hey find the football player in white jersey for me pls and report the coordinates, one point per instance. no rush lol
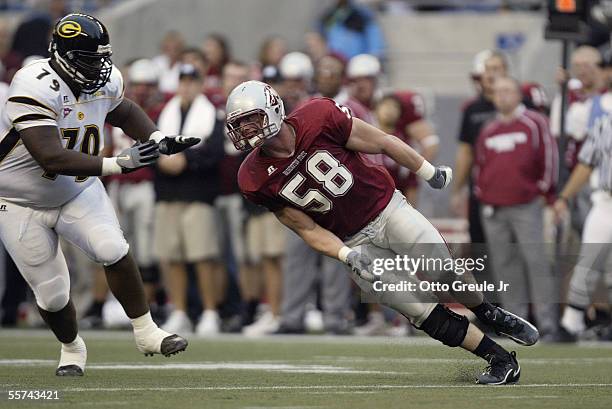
(50, 137)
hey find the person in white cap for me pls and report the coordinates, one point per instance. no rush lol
(362, 72)
(296, 71)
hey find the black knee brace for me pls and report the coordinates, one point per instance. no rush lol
(446, 326)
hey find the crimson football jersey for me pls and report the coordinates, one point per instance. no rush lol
(340, 189)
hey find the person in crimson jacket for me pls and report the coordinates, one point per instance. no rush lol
(516, 168)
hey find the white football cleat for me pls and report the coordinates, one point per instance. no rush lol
(73, 357)
(158, 341)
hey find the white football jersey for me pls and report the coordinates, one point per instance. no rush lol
(38, 96)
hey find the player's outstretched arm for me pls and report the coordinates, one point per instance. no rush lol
(369, 139)
(324, 241)
(44, 145)
(130, 117)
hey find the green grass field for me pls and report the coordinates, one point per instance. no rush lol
(300, 372)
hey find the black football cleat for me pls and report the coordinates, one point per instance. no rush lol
(69, 370)
(512, 326)
(502, 370)
(173, 345)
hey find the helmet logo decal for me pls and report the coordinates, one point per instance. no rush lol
(69, 29)
(271, 98)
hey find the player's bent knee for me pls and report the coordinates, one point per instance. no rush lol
(108, 244)
(446, 326)
(52, 295)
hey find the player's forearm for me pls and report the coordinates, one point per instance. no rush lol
(402, 153)
(579, 177)
(72, 163)
(463, 165)
(322, 240)
(130, 117)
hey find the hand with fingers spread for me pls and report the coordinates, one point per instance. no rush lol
(169, 145)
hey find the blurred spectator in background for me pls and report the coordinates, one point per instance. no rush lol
(217, 52)
(362, 73)
(515, 171)
(272, 51)
(10, 59)
(316, 46)
(229, 204)
(488, 65)
(535, 97)
(330, 78)
(33, 34)
(350, 29)
(475, 114)
(296, 71)
(478, 68)
(587, 82)
(168, 61)
(402, 114)
(3, 86)
(195, 57)
(186, 187)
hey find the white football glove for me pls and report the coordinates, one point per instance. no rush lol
(361, 265)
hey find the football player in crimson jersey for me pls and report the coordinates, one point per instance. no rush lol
(308, 169)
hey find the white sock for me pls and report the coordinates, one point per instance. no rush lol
(74, 353)
(143, 323)
(573, 320)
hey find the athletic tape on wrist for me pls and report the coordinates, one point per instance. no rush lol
(110, 166)
(343, 254)
(426, 171)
